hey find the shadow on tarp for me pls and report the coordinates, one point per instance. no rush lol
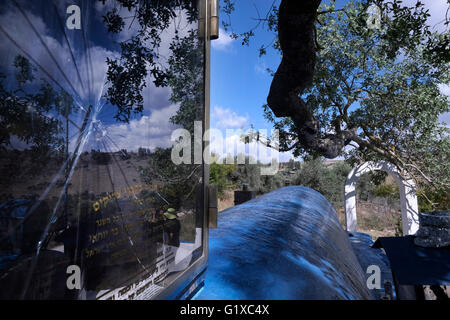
(287, 244)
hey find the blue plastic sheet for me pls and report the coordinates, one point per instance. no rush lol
(287, 244)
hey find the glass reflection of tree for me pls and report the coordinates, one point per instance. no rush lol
(182, 72)
(38, 111)
(25, 116)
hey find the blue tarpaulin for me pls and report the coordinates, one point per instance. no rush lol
(287, 244)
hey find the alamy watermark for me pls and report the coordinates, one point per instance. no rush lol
(374, 280)
(74, 278)
(182, 154)
(74, 20)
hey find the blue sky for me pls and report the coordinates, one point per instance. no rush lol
(239, 82)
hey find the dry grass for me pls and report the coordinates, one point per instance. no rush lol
(376, 223)
(227, 201)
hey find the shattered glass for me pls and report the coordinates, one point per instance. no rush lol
(89, 97)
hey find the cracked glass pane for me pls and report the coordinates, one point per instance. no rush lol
(89, 97)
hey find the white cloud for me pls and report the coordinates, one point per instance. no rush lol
(445, 89)
(227, 119)
(225, 42)
(148, 131)
(224, 118)
(156, 98)
(261, 68)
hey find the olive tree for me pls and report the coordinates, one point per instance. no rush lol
(345, 88)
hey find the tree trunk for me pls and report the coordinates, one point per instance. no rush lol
(296, 34)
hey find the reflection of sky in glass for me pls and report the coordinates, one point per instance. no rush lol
(75, 60)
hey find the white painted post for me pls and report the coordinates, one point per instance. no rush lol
(350, 201)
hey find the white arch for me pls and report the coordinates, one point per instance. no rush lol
(408, 197)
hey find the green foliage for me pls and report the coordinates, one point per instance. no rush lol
(219, 175)
(24, 70)
(328, 181)
(185, 77)
(390, 191)
(431, 200)
(25, 116)
(373, 184)
(247, 173)
(398, 226)
(175, 193)
(271, 183)
(127, 78)
(143, 152)
(232, 176)
(364, 187)
(161, 167)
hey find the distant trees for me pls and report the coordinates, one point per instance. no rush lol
(328, 181)
(220, 175)
(124, 155)
(144, 152)
(99, 157)
(312, 173)
(232, 176)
